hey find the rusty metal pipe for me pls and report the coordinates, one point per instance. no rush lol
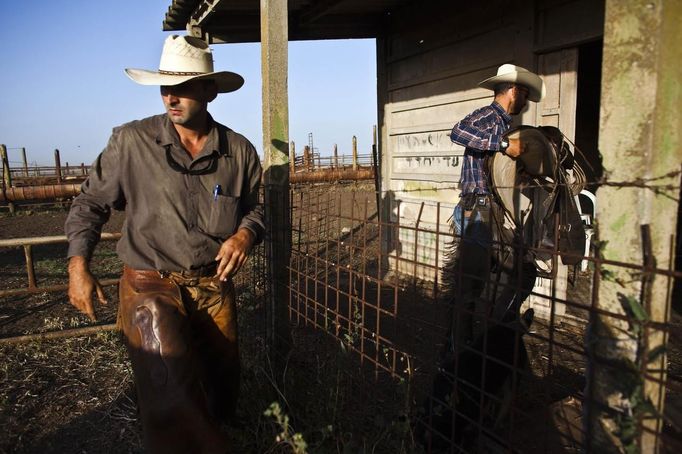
(14, 242)
(43, 192)
(48, 289)
(320, 176)
(85, 331)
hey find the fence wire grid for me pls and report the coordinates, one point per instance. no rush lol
(373, 287)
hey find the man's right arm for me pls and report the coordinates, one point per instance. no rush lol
(89, 212)
(477, 131)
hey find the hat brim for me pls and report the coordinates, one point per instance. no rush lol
(535, 85)
(225, 80)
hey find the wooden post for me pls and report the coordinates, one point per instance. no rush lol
(306, 158)
(355, 153)
(6, 174)
(57, 166)
(30, 268)
(292, 157)
(274, 63)
(24, 160)
(336, 157)
(640, 140)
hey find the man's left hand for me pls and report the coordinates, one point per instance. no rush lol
(515, 148)
(233, 253)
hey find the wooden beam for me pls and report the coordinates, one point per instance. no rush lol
(316, 10)
(641, 143)
(274, 67)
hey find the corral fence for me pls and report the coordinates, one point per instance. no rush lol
(374, 284)
(48, 185)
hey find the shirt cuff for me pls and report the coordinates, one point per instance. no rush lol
(253, 228)
(79, 247)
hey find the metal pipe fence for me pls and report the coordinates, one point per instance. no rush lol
(27, 244)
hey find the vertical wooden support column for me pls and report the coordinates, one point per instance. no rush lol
(274, 64)
(640, 138)
(336, 156)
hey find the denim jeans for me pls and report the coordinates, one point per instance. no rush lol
(472, 229)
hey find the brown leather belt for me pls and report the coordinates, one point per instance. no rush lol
(204, 271)
(469, 201)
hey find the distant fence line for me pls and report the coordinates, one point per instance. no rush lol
(41, 183)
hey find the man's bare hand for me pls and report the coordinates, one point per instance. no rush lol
(82, 284)
(515, 148)
(233, 253)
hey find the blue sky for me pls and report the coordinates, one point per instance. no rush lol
(62, 83)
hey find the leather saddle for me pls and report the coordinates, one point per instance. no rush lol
(536, 193)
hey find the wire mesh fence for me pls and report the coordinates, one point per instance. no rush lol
(390, 291)
(377, 361)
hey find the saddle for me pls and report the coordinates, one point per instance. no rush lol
(536, 201)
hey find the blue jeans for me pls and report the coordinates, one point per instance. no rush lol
(472, 230)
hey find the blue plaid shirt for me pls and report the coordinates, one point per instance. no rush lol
(480, 133)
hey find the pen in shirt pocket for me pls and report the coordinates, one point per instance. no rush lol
(217, 191)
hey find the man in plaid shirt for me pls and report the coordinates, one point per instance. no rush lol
(482, 133)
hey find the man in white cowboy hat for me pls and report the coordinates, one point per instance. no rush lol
(189, 186)
(482, 133)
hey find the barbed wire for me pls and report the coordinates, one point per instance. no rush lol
(530, 182)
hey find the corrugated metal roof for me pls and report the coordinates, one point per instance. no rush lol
(239, 20)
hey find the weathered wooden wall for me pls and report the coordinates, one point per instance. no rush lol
(430, 60)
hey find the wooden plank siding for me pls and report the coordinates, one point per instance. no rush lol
(430, 60)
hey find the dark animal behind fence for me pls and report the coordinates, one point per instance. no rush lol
(456, 408)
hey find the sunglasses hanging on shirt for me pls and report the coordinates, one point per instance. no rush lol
(204, 165)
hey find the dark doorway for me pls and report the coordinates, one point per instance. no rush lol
(587, 112)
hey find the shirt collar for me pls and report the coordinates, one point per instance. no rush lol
(503, 113)
(167, 135)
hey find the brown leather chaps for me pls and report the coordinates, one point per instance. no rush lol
(181, 335)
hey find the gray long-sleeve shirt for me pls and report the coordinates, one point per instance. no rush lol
(174, 220)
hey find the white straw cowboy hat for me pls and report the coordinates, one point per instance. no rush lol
(518, 75)
(186, 58)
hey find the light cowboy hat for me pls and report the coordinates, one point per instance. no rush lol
(518, 75)
(186, 58)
